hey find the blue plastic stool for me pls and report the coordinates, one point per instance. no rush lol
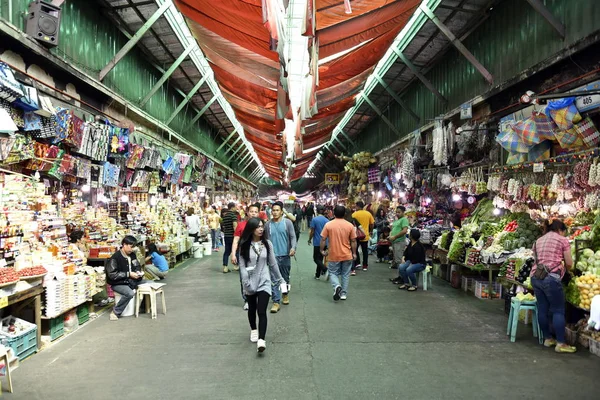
(425, 276)
(516, 307)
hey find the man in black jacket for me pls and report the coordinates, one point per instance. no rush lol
(124, 273)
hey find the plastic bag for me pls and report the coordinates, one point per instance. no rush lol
(563, 112)
(71, 322)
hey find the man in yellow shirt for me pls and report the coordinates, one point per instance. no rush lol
(366, 221)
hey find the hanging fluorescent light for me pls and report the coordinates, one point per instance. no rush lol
(397, 175)
(124, 198)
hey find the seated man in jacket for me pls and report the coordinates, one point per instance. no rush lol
(124, 273)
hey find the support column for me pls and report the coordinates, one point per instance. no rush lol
(458, 44)
(133, 41)
(419, 75)
(234, 143)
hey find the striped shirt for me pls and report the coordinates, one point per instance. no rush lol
(550, 249)
(227, 223)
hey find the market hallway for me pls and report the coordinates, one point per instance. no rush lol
(381, 343)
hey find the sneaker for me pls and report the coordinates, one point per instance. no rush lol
(286, 299)
(336, 293)
(358, 267)
(317, 277)
(412, 288)
(396, 281)
(261, 345)
(344, 296)
(365, 268)
(111, 300)
(217, 249)
(275, 308)
(254, 336)
(236, 268)
(565, 348)
(225, 270)
(246, 306)
(327, 275)
(550, 342)
(353, 273)
(403, 286)
(113, 316)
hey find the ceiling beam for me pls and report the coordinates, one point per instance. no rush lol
(541, 9)
(133, 41)
(143, 3)
(168, 73)
(383, 117)
(337, 139)
(226, 140)
(397, 98)
(186, 100)
(235, 152)
(229, 148)
(419, 75)
(459, 9)
(458, 44)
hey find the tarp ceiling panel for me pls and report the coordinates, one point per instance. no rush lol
(332, 12)
(355, 31)
(260, 95)
(259, 43)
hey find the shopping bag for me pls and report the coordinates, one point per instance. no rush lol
(544, 126)
(569, 139)
(540, 152)
(527, 131)
(516, 158)
(588, 132)
(563, 112)
(511, 142)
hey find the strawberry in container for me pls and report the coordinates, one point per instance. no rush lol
(8, 276)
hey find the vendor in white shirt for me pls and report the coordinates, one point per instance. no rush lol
(193, 224)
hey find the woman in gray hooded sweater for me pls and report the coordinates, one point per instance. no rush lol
(258, 268)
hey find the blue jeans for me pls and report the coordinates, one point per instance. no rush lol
(227, 253)
(551, 306)
(127, 294)
(213, 238)
(339, 269)
(285, 265)
(408, 271)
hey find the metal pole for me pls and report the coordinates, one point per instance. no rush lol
(383, 117)
(397, 98)
(548, 16)
(187, 98)
(231, 147)
(226, 140)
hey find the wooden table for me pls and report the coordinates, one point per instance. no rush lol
(26, 297)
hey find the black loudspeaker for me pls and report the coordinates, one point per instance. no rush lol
(43, 22)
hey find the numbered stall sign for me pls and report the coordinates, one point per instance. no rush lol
(589, 102)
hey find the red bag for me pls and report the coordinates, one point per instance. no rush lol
(588, 132)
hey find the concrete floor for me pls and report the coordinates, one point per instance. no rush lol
(381, 343)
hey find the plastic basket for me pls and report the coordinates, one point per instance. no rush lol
(57, 328)
(83, 314)
(482, 290)
(22, 343)
(584, 341)
(595, 347)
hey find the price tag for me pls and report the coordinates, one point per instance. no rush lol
(538, 167)
(3, 302)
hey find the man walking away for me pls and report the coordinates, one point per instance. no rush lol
(316, 227)
(341, 237)
(366, 221)
(398, 235)
(229, 222)
(310, 212)
(280, 231)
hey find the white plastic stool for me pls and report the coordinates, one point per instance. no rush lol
(147, 290)
(130, 309)
(426, 277)
(10, 361)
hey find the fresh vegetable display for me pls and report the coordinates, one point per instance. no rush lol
(572, 292)
(583, 233)
(445, 241)
(512, 226)
(588, 261)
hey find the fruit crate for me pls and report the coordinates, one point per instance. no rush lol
(83, 314)
(570, 336)
(466, 283)
(23, 344)
(584, 340)
(482, 291)
(595, 347)
(57, 327)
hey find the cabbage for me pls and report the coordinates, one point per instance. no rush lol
(588, 253)
(582, 266)
(596, 264)
(597, 254)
